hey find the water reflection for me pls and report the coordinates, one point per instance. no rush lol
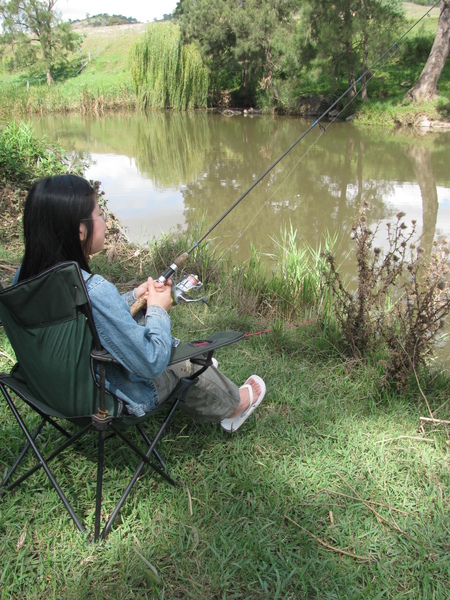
(165, 171)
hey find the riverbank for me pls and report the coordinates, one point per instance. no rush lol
(98, 81)
(333, 488)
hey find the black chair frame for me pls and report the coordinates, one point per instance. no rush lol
(200, 353)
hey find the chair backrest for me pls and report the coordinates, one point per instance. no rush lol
(48, 321)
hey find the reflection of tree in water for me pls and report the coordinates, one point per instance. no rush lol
(321, 193)
(421, 159)
(317, 187)
(170, 147)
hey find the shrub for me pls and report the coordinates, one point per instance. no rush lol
(166, 73)
(24, 157)
(400, 302)
(417, 48)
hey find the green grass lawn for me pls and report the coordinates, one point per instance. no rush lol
(330, 490)
(415, 11)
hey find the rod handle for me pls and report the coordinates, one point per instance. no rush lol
(178, 262)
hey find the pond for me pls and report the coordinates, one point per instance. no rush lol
(166, 171)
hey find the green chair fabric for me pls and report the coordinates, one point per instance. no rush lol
(45, 321)
(48, 320)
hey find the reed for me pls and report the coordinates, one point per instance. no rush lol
(284, 285)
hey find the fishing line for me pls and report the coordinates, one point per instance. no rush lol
(180, 260)
(369, 71)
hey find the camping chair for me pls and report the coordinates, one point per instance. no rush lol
(60, 374)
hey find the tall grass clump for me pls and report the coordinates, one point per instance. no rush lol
(299, 276)
(167, 74)
(401, 299)
(284, 285)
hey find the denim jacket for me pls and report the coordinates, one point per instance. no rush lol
(143, 350)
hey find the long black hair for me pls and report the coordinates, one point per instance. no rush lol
(54, 208)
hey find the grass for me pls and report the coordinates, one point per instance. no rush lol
(103, 84)
(324, 493)
(330, 490)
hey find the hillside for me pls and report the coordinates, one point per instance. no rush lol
(99, 77)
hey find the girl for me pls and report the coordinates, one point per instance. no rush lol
(63, 222)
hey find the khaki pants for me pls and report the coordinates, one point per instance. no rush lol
(213, 398)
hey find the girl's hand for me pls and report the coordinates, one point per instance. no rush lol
(141, 290)
(159, 294)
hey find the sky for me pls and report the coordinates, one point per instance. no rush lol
(142, 10)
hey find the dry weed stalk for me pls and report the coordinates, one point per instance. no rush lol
(401, 300)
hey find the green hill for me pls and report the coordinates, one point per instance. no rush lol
(98, 78)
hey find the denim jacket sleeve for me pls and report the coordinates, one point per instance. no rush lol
(143, 351)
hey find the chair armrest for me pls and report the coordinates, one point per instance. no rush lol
(216, 340)
(103, 356)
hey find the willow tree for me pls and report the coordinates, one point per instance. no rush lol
(166, 73)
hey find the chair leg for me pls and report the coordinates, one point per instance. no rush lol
(48, 458)
(145, 460)
(149, 442)
(98, 497)
(20, 457)
(42, 463)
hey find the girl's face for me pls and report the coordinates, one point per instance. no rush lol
(98, 231)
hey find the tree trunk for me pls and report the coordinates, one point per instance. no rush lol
(426, 86)
(49, 78)
(365, 75)
(269, 79)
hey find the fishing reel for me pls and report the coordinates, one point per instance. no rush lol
(189, 284)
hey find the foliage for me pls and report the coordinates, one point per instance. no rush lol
(343, 39)
(27, 22)
(417, 48)
(24, 157)
(243, 43)
(400, 302)
(104, 20)
(103, 81)
(166, 73)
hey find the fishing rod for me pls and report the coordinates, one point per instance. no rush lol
(192, 282)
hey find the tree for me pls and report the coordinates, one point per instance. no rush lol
(239, 40)
(166, 73)
(345, 37)
(27, 22)
(426, 86)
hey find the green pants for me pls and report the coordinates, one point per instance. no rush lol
(213, 398)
